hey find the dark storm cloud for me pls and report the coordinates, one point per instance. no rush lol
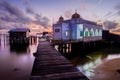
(110, 25)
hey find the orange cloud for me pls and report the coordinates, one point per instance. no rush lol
(35, 28)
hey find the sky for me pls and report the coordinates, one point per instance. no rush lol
(39, 15)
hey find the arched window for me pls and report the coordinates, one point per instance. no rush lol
(91, 32)
(100, 32)
(86, 32)
(96, 32)
(81, 33)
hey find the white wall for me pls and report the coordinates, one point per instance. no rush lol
(74, 31)
(57, 35)
(65, 31)
(80, 32)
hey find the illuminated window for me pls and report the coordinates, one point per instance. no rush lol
(81, 33)
(92, 32)
(86, 33)
(96, 32)
(100, 32)
(66, 33)
(57, 30)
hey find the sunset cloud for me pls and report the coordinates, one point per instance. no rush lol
(39, 19)
(12, 10)
(12, 16)
(116, 30)
(110, 25)
(42, 13)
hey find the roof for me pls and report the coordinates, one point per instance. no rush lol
(19, 30)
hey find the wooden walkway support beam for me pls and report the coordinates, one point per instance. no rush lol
(51, 65)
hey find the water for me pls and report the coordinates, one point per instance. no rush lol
(16, 61)
(99, 65)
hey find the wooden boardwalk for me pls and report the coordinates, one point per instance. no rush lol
(51, 65)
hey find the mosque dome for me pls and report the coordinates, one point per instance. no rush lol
(61, 18)
(76, 15)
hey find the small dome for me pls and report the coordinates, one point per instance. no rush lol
(75, 15)
(61, 18)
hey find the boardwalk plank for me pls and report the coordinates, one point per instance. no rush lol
(51, 65)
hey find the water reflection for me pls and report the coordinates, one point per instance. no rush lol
(18, 48)
(16, 61)
(107, 70)
(100, 66)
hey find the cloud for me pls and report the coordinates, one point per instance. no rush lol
(68, 13)
(12, 16)
(12, 10)
(94, 15)
(11, 13)
(116, 30)
(82, 7)
(100, 1)
(42, 20)
(118, 12)
(110, 25)
(109, 14)
(117, 8)
(39, 19)
(28, 7)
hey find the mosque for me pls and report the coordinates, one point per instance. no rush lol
(77, 29)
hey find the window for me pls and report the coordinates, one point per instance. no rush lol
(57, 30)
(86, 32)
(100, 32)
(66, 33)
(81, 33)
(91, 32)
(96, 32)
